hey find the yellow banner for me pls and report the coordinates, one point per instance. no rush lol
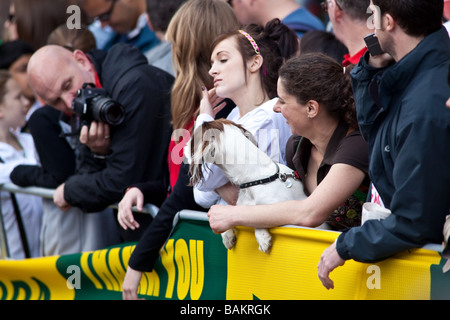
(290, 270)
(194, 265)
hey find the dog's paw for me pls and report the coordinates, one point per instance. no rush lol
(264, 239)
(229, 239)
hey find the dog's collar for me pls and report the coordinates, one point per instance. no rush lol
(261, 181)
(274, 177)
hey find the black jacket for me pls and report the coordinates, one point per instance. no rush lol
(402, 115)
(138, 145)
(56, 154)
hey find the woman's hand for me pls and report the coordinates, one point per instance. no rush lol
(133, 197)
(229, 192)
(131, 284)
(211, 103)
(220, 218)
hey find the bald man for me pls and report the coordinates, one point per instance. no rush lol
(111, 158)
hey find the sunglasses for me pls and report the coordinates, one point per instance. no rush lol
(107, 15)
(324, 5)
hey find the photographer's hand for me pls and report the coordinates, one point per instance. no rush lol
(96, 137)
(58, 198)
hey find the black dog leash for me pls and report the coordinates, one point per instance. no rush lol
(283, 177)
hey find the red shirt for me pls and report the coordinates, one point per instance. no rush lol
(353, 59)
(176, 154)
(98, 84)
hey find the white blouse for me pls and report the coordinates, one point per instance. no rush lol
(30, 206)
(270, 131)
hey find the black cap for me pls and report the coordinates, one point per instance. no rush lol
(11, 51)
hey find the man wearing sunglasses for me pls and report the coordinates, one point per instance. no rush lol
(349, 21)
(120, 21)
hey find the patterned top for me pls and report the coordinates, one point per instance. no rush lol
(345, 146)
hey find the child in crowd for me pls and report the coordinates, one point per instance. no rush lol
(21, 214)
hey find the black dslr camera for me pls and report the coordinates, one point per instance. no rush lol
(94, 104)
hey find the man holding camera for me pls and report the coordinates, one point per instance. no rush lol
(117, 149)
(400, 98)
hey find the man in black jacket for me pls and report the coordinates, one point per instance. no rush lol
(112, 157)
(400, 98)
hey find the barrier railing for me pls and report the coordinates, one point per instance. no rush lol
(195, 265)
(148, 208)
(46, 194)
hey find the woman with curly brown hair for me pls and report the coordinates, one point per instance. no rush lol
(326, 150)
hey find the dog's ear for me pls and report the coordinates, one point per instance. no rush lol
(203, 151)
(194, 152)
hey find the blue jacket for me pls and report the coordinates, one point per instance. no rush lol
(302, 21)
(402, 114)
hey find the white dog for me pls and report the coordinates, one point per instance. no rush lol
(262, 181)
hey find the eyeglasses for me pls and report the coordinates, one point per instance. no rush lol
(107, 15)
(324, 5)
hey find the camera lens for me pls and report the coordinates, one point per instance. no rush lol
(108, 111)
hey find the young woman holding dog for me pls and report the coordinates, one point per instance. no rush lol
(326, 150)
(245, 66)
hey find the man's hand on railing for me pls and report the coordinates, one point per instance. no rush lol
(58, 198)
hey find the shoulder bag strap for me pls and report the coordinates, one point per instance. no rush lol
(23, 235)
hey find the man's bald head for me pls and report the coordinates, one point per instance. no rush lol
(41, 64)
(56, 74)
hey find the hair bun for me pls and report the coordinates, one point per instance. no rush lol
(284, 36)
(274, 28)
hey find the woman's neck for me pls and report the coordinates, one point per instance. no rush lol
(323, 135)
(250, 98)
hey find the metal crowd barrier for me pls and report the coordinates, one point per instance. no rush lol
(148, 208)
(48, 194)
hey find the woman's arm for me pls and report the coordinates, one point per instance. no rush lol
(339, 184)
